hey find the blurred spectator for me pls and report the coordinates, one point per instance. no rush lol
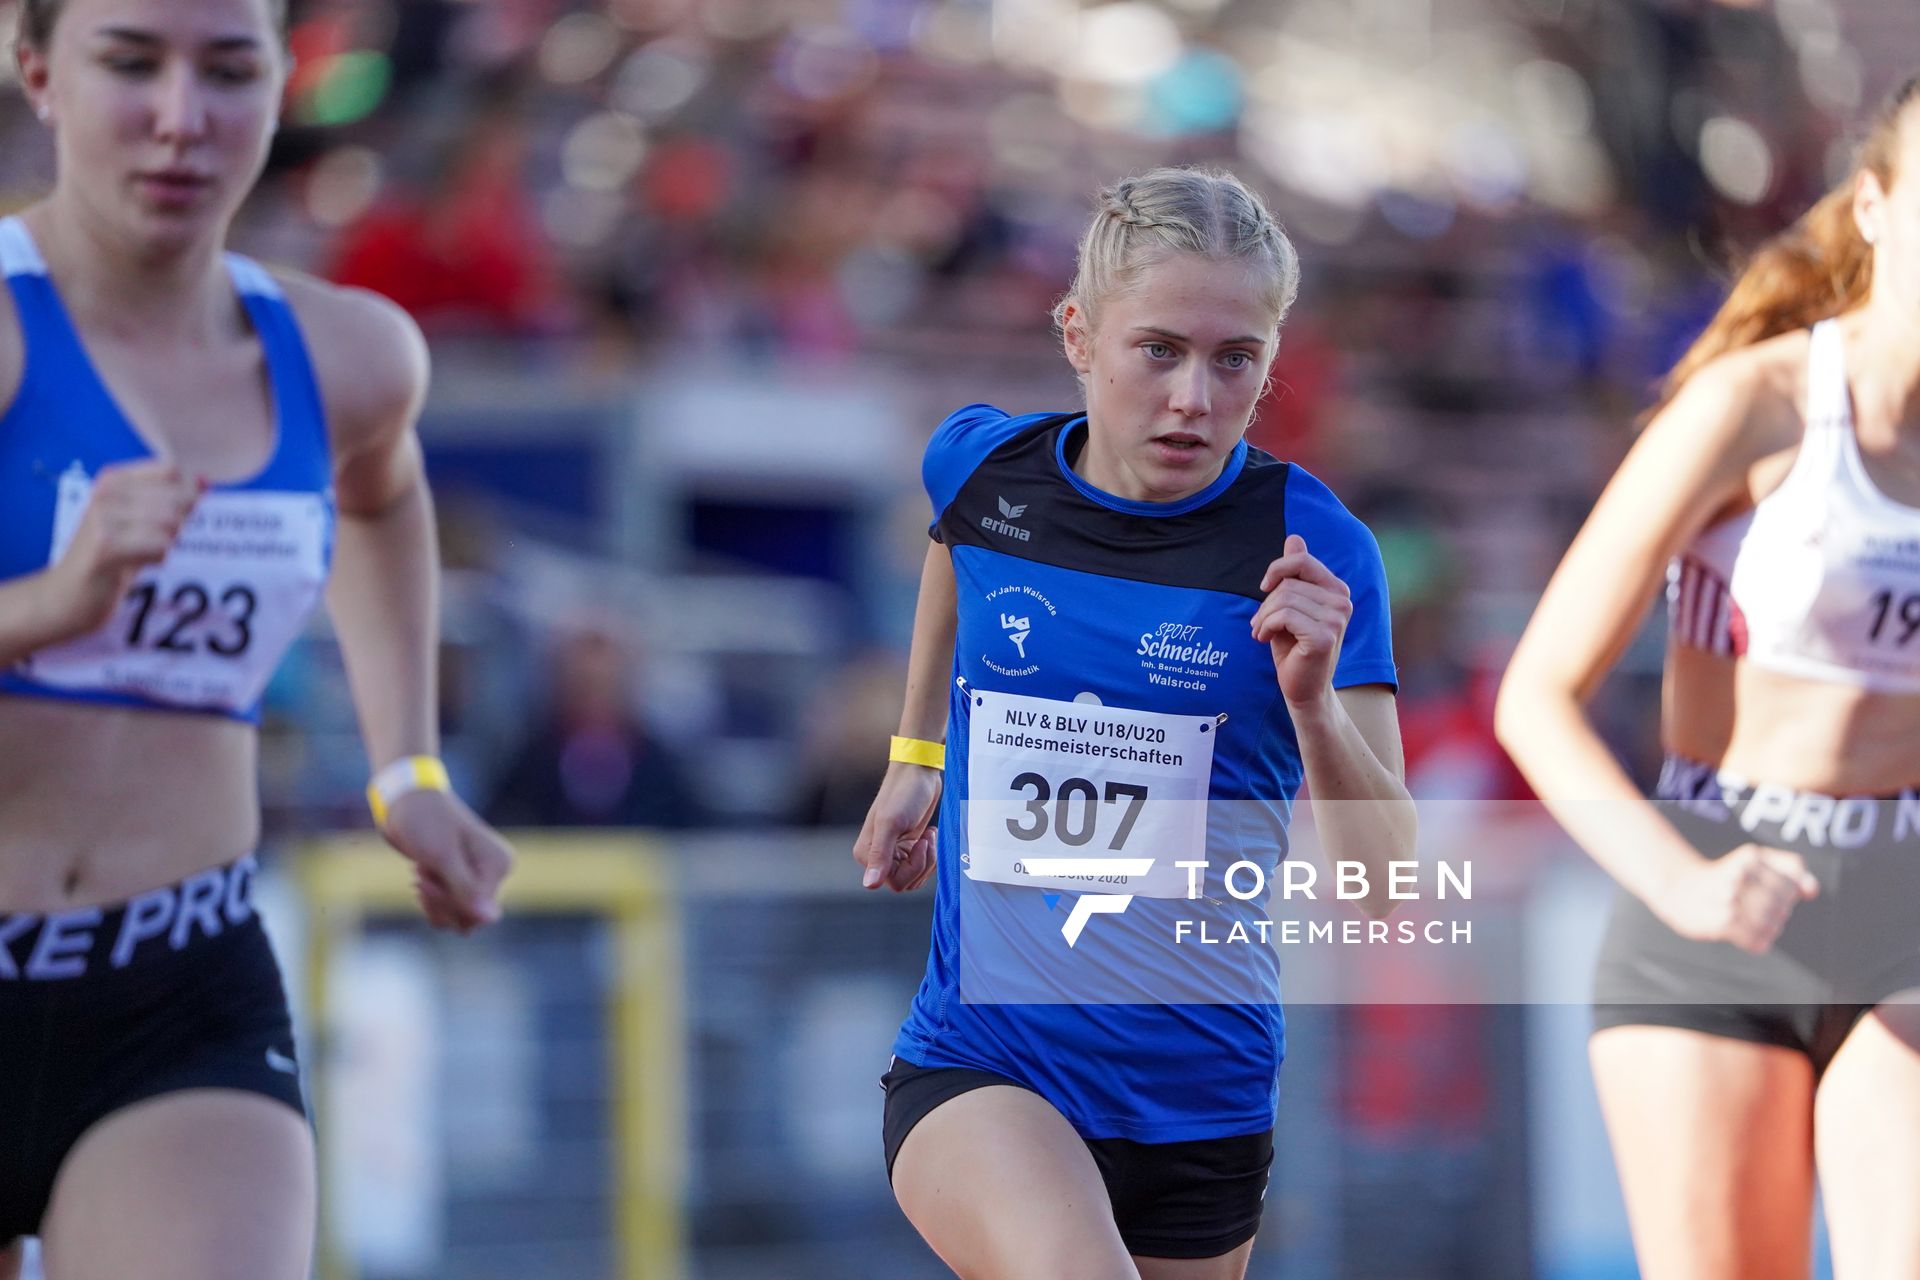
(1566, 326)
(466, 254)
(592, 762)
(1445, 704)
(853, 721)
(1289, 419)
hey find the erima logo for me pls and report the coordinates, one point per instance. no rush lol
(1012, 511)
(1089, 905)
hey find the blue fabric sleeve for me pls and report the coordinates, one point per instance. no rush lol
(1337, 538)
(959, 445)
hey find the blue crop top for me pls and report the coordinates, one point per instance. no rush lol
(204, 629)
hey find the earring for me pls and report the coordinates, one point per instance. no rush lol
(1870, 235)
(43, 111)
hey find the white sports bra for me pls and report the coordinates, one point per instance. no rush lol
(1821, 579)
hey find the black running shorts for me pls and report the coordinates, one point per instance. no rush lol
(1839, 955)
(101, 1008)
(1170, 1199)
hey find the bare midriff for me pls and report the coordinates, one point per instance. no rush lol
(1765, 727)
(100, 803)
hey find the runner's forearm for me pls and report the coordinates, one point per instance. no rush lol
(385, 602)
(1362, 809)
(930, 663)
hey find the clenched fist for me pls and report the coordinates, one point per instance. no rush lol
(131, 521)
(458, 860)
(1304, 618)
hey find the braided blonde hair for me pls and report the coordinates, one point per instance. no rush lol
(1142, 219)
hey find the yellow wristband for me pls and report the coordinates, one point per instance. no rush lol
(409, 773)
(919, 751)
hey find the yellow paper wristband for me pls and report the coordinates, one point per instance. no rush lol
(409, 773)
(918, 751)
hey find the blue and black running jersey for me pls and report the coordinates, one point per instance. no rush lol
(1113, 639)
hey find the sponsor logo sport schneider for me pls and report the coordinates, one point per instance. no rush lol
(1174, 642)
(1010, 511)
(1175, 655)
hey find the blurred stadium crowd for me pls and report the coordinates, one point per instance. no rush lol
(701, 275)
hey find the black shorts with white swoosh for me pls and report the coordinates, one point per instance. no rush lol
(104, 1007)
